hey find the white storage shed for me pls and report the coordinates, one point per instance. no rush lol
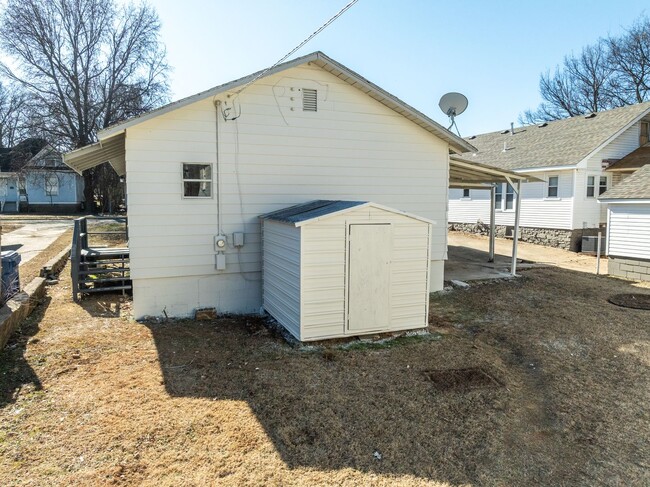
(345, 268)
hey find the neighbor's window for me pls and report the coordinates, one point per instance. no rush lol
(603, 185)
(465, 193)
(510, 197)
(644, 134)
(197, 180)
(553, 182)
(591, 185)
(51, 185)
(498, 196)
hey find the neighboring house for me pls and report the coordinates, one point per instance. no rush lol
(44, 183)
(570, 157)
(209, 165)
(628, 218)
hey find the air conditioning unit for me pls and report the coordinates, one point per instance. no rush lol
(590, 245)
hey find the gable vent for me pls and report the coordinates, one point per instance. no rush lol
(591, 115)
(309, 100)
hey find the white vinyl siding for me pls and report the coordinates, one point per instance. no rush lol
(323, 272)
(628, 232)
(537, 210)
(273, 156)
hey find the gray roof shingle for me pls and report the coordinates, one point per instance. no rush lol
(559, 143)
(634, 187)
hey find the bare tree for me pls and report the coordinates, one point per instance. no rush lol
(629, 56)
(13, 122)
(85, 64)
(584, 83)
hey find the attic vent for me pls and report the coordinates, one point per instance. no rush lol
(542, 125)
(591, 115)
(505, 132)
(472, 137)
(309, 100)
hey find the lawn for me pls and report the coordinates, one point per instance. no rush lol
(557, 394)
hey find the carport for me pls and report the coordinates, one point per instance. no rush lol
(464, 174)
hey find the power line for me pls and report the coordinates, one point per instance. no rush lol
(314, 34)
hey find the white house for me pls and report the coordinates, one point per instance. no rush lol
(628, 222)
(570, 157)
(200, 170)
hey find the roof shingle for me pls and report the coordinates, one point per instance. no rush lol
(559, 143)
(635, 187)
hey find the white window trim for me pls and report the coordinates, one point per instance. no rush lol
(515, 199)
(546, 187)
(51, 189)
(211, 181)
(596, 176)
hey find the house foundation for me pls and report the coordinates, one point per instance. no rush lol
(549, 237)
(635, 269)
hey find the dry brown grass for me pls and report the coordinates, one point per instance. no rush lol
(88, 397)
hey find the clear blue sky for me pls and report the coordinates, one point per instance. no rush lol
(492, 51)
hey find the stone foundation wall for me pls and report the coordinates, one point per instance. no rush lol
(636, 269)
(550, 237)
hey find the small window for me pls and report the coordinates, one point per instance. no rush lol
(510, 197)
(591, 186)
(309, 100)
(197, 180)
(553, 182)
(498, 196)
(603, 185)
(466, 193)
(51, 185)
(644, 134)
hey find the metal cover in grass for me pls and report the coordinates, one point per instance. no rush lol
(636, 301)
(461, 379)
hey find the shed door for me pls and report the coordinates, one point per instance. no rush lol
(369, 277)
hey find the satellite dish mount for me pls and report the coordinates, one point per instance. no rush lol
(453, 104)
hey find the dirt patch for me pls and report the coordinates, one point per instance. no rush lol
(90, 397)
(8, 227)
(636, 301)
(461, 379)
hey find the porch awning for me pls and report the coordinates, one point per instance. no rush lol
(466, 174)
(109, 150)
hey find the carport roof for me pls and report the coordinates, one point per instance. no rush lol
(467, 174)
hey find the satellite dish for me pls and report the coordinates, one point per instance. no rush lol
(453, 104)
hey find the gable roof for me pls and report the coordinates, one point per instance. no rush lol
(634, 160)
(634, 187)
(328, 64)
(558, 143)
(303, 213)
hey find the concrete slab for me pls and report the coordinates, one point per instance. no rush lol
(468, 255)
(33, 238)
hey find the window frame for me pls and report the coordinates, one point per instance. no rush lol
(191, 180)
(514, 198)
(600, 184)
(469, 194)
(643, 125)
(498, 197)
(596, 188)
(556, 187)
(51, 189)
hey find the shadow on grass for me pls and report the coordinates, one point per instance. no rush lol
(369, 408)
(550, 337)
(15, 370)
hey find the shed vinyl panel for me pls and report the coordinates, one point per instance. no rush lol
(628, 231)
(281, 274)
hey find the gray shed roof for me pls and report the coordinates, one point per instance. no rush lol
(300, 214)
(308, 211)
(559, 143)
(634, 187)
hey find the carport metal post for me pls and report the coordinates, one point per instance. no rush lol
(493, 198)
(515, 235)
